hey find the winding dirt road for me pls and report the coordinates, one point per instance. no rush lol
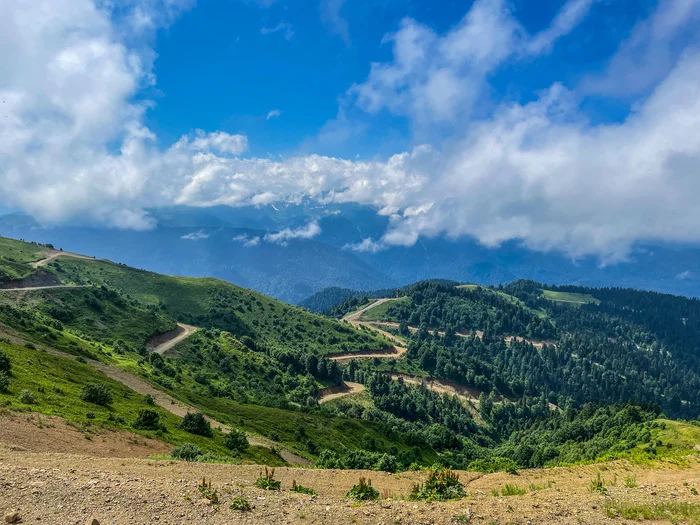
(334, 392)
(184, 331)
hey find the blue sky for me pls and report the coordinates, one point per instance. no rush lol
(216, 69)
(567, 125)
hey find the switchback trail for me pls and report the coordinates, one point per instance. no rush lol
(31, 288)
(335, 392)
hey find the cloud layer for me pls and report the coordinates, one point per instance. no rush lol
(74, 146)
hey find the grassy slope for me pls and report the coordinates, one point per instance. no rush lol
(566, 297)
(14, 256)
(92, 331)
(381, 311)
(91, 313)
(57, 383)
(218, 304)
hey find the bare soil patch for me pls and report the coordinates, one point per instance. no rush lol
(38, 433)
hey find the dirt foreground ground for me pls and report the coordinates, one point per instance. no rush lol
(61, 488)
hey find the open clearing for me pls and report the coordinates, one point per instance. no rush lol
(68, 488)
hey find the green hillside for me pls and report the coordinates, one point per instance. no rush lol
(216, 304)
(490, 379)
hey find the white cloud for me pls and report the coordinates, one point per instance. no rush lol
(568, 17)
(284, 27)
(366, 245)
(275, 113)
(684, 276)
(650, 52)
(74, 145)
(308, 231)
(248, 242)
(195, 236)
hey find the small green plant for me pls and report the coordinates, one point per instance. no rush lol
(441, 484)
(300, 489)
(363, 491)
(631, 482)
(148, 419)
(267, 480)
(236, 441)
(693, 491)
(512, 490)
(27, 397)
(207, 492)
(675, 512)
(4, 381)
(150, 400)
(241, 504)
(97, 393)
(597, 484)
(186, 452)
(196, 423)
(495, 492)
(462, 519)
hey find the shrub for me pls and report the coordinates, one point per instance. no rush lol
(597, 484)
(27, 396)
(150, 400)
(267, 481)
(195, 423)
(236, 441)
(512, 490)
(207, 492)
(300, 489)
(363, 491)
(241, 504)
(97, 393)
(31, 346)
(4, 381)
(186, 452)
(441, 484)
(148, 419)
(5, 365)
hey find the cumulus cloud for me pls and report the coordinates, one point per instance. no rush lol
(308, 231)
(74, 145)
(283, 27)
(195, 236)
(274, 114)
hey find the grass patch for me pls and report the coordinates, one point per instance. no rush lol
(568, 297)
(675, 512)
(512, 490)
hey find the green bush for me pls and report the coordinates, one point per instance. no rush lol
(512, 490)
(148, 419)
(4, 381)
(267, 481)
(27, 396)
(236, 441)
(441, 484)
(186, 452)
(97, 393)
(300, 489)
(195, 423)
(241, 504)
(363, 491)
(5, 365)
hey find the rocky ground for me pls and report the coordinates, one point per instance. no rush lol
(46, 486)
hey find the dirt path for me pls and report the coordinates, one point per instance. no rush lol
(50, 255)
(64, 488)
(335, 392)
(183, 332)
(30, 288)
(394, 352)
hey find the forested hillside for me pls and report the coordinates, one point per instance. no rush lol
(478, 378)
